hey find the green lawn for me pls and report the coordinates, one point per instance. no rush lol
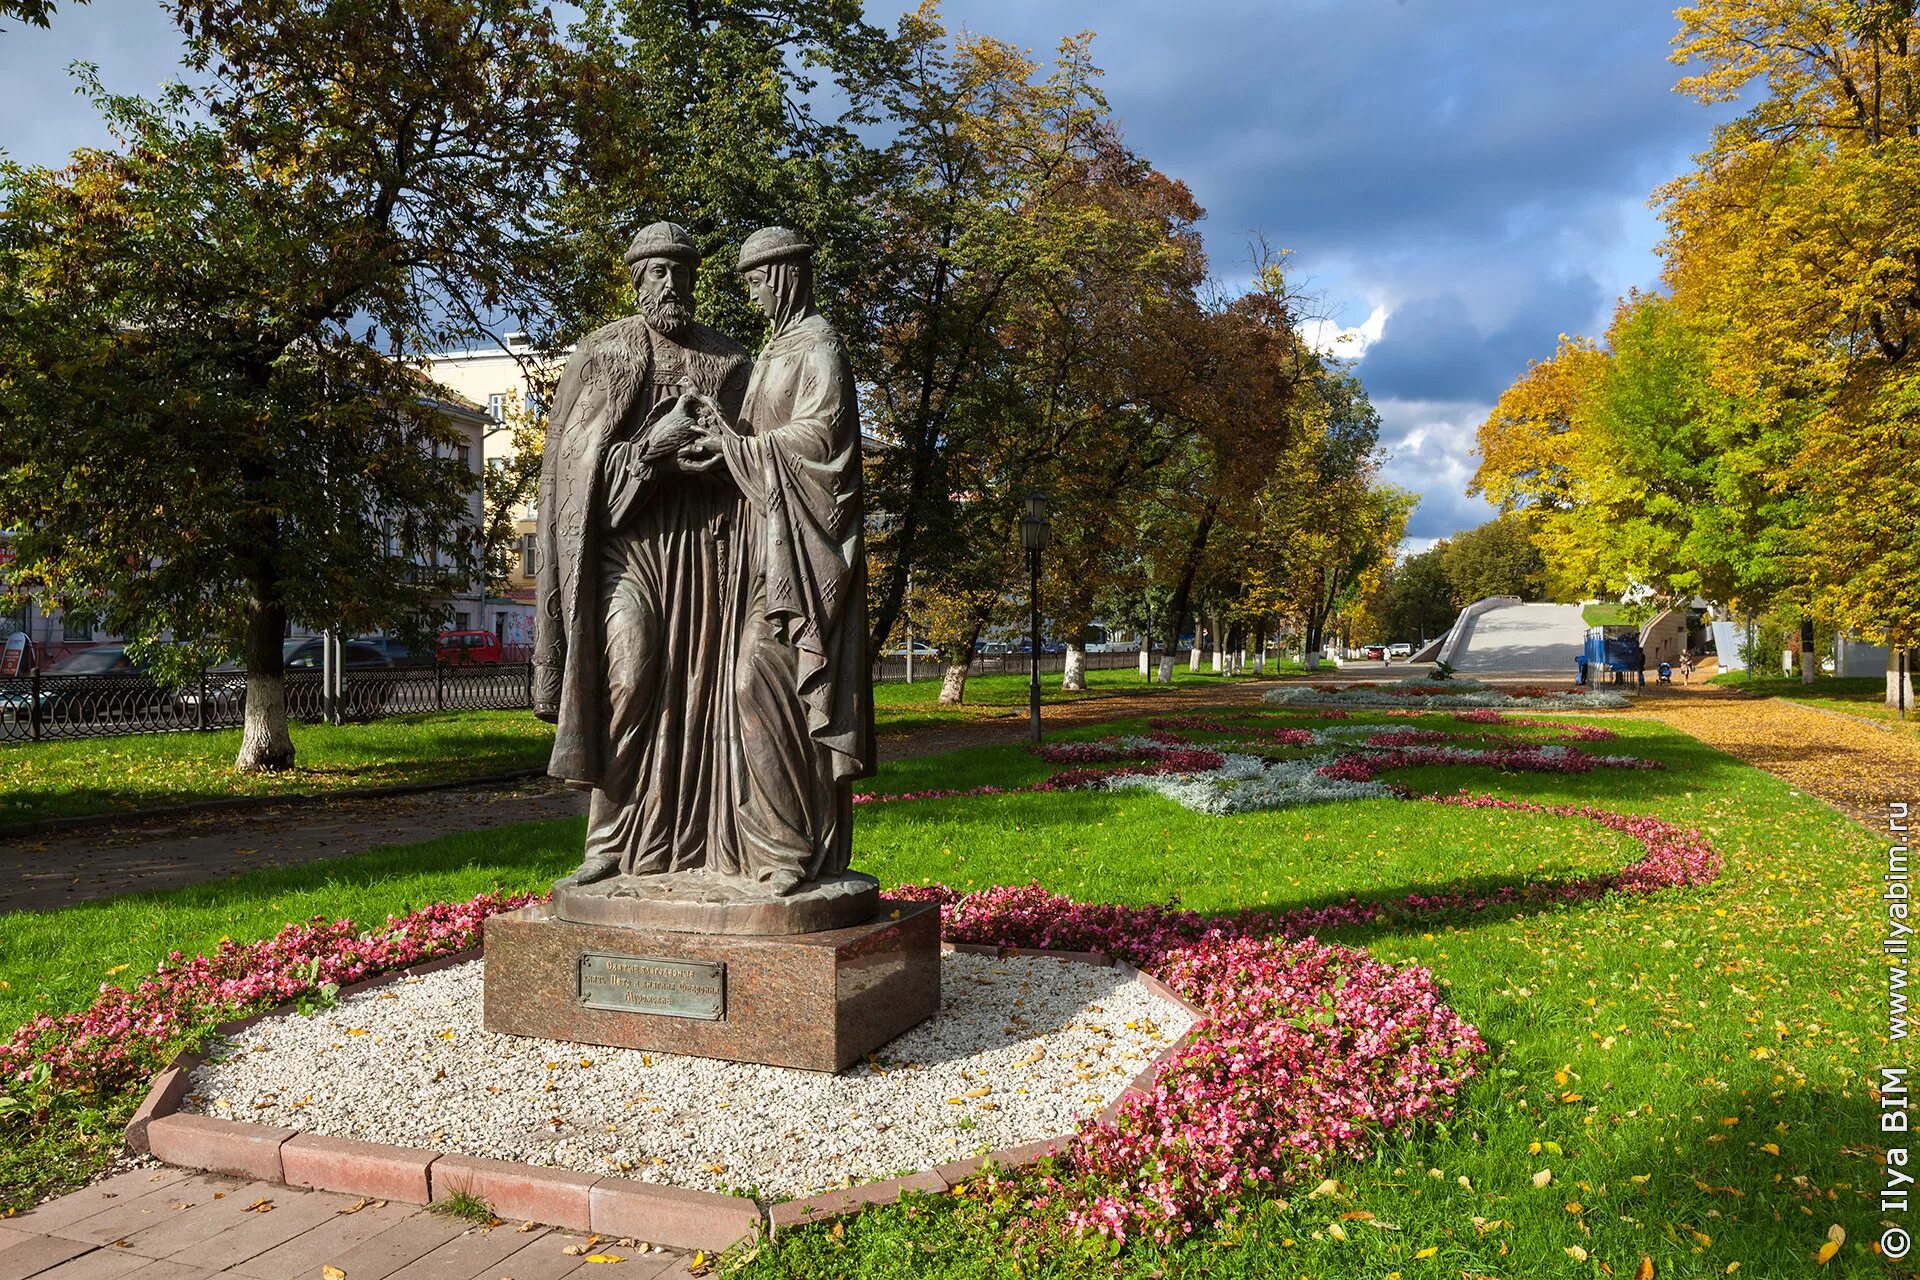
(1863, 696)
(66, 779)
(898, 706)
(1605, 613)
(1666, 1046)
(151, 770)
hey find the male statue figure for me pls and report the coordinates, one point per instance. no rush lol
(800, 680)
(634, 629)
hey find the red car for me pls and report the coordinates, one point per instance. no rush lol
(469, 648)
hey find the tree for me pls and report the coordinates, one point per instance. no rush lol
(1497, 558)
(199, 437)
(1325, 521)
(708, 113)
(1799, 232)
(1419, 600)
(37, 12)
(970, 210)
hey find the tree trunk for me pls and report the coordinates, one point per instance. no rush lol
(953, 685)
(1183, 593)
(265, 744)
(1074, 677)
(1146, 658)
(1809, 663)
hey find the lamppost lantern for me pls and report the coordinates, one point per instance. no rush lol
(1035, 534)
(1036, 505)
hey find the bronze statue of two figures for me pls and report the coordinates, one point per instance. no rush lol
(700, 644)
(701, 634)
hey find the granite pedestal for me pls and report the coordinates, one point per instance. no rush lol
(818, 1001)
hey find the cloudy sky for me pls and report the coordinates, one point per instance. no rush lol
(1460, 180)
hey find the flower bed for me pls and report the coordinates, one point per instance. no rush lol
(1369, 765)
(1431, 697)
(127, 1035)
(1306, 1052)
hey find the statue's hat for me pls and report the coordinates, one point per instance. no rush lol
(663, 240)
(770, 244)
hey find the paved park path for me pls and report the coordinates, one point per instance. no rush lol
(48, 871)
(1851, 763)
(1518, 638)
(157, 1223)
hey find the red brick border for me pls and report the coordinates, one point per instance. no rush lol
(676, 1217)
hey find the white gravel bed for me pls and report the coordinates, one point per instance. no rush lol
(1022, 1049)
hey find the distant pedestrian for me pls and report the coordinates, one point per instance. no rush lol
(1686, 667)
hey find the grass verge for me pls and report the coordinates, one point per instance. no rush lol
(153, 770)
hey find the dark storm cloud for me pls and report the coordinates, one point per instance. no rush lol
(1432, 349)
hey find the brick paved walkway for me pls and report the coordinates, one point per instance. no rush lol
(166, 1224)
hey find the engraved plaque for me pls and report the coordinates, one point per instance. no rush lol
(640, 984)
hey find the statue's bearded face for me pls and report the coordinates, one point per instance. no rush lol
(665, 291)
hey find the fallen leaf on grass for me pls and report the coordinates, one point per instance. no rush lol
(1826, 1253)
(1543, 1177)
(1644, 1271)
(1575, 1252)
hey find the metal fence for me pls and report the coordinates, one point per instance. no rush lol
(890, 670)
(40, 707)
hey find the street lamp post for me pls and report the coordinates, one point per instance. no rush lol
(1035, 532)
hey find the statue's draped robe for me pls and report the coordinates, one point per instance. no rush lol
(637, 605)
(801, 678)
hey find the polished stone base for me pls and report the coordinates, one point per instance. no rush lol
(698, 902)
(818, 1001)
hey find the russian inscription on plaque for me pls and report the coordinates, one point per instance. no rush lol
(642, 984)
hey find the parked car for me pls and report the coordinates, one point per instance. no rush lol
(1374, 651)
(129, 696)
(921, 649)
(396, 651)
(992, 649)
(469, 648)
(1400, 650)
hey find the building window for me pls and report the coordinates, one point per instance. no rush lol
(465, 454)
(497, 406)
(529, 563)
(460, 621)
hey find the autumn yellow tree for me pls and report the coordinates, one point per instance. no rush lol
(1800, 232)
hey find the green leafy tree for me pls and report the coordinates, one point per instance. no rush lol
(38, 13)
(1420, 602)
(205, 433)
(1497, 558)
